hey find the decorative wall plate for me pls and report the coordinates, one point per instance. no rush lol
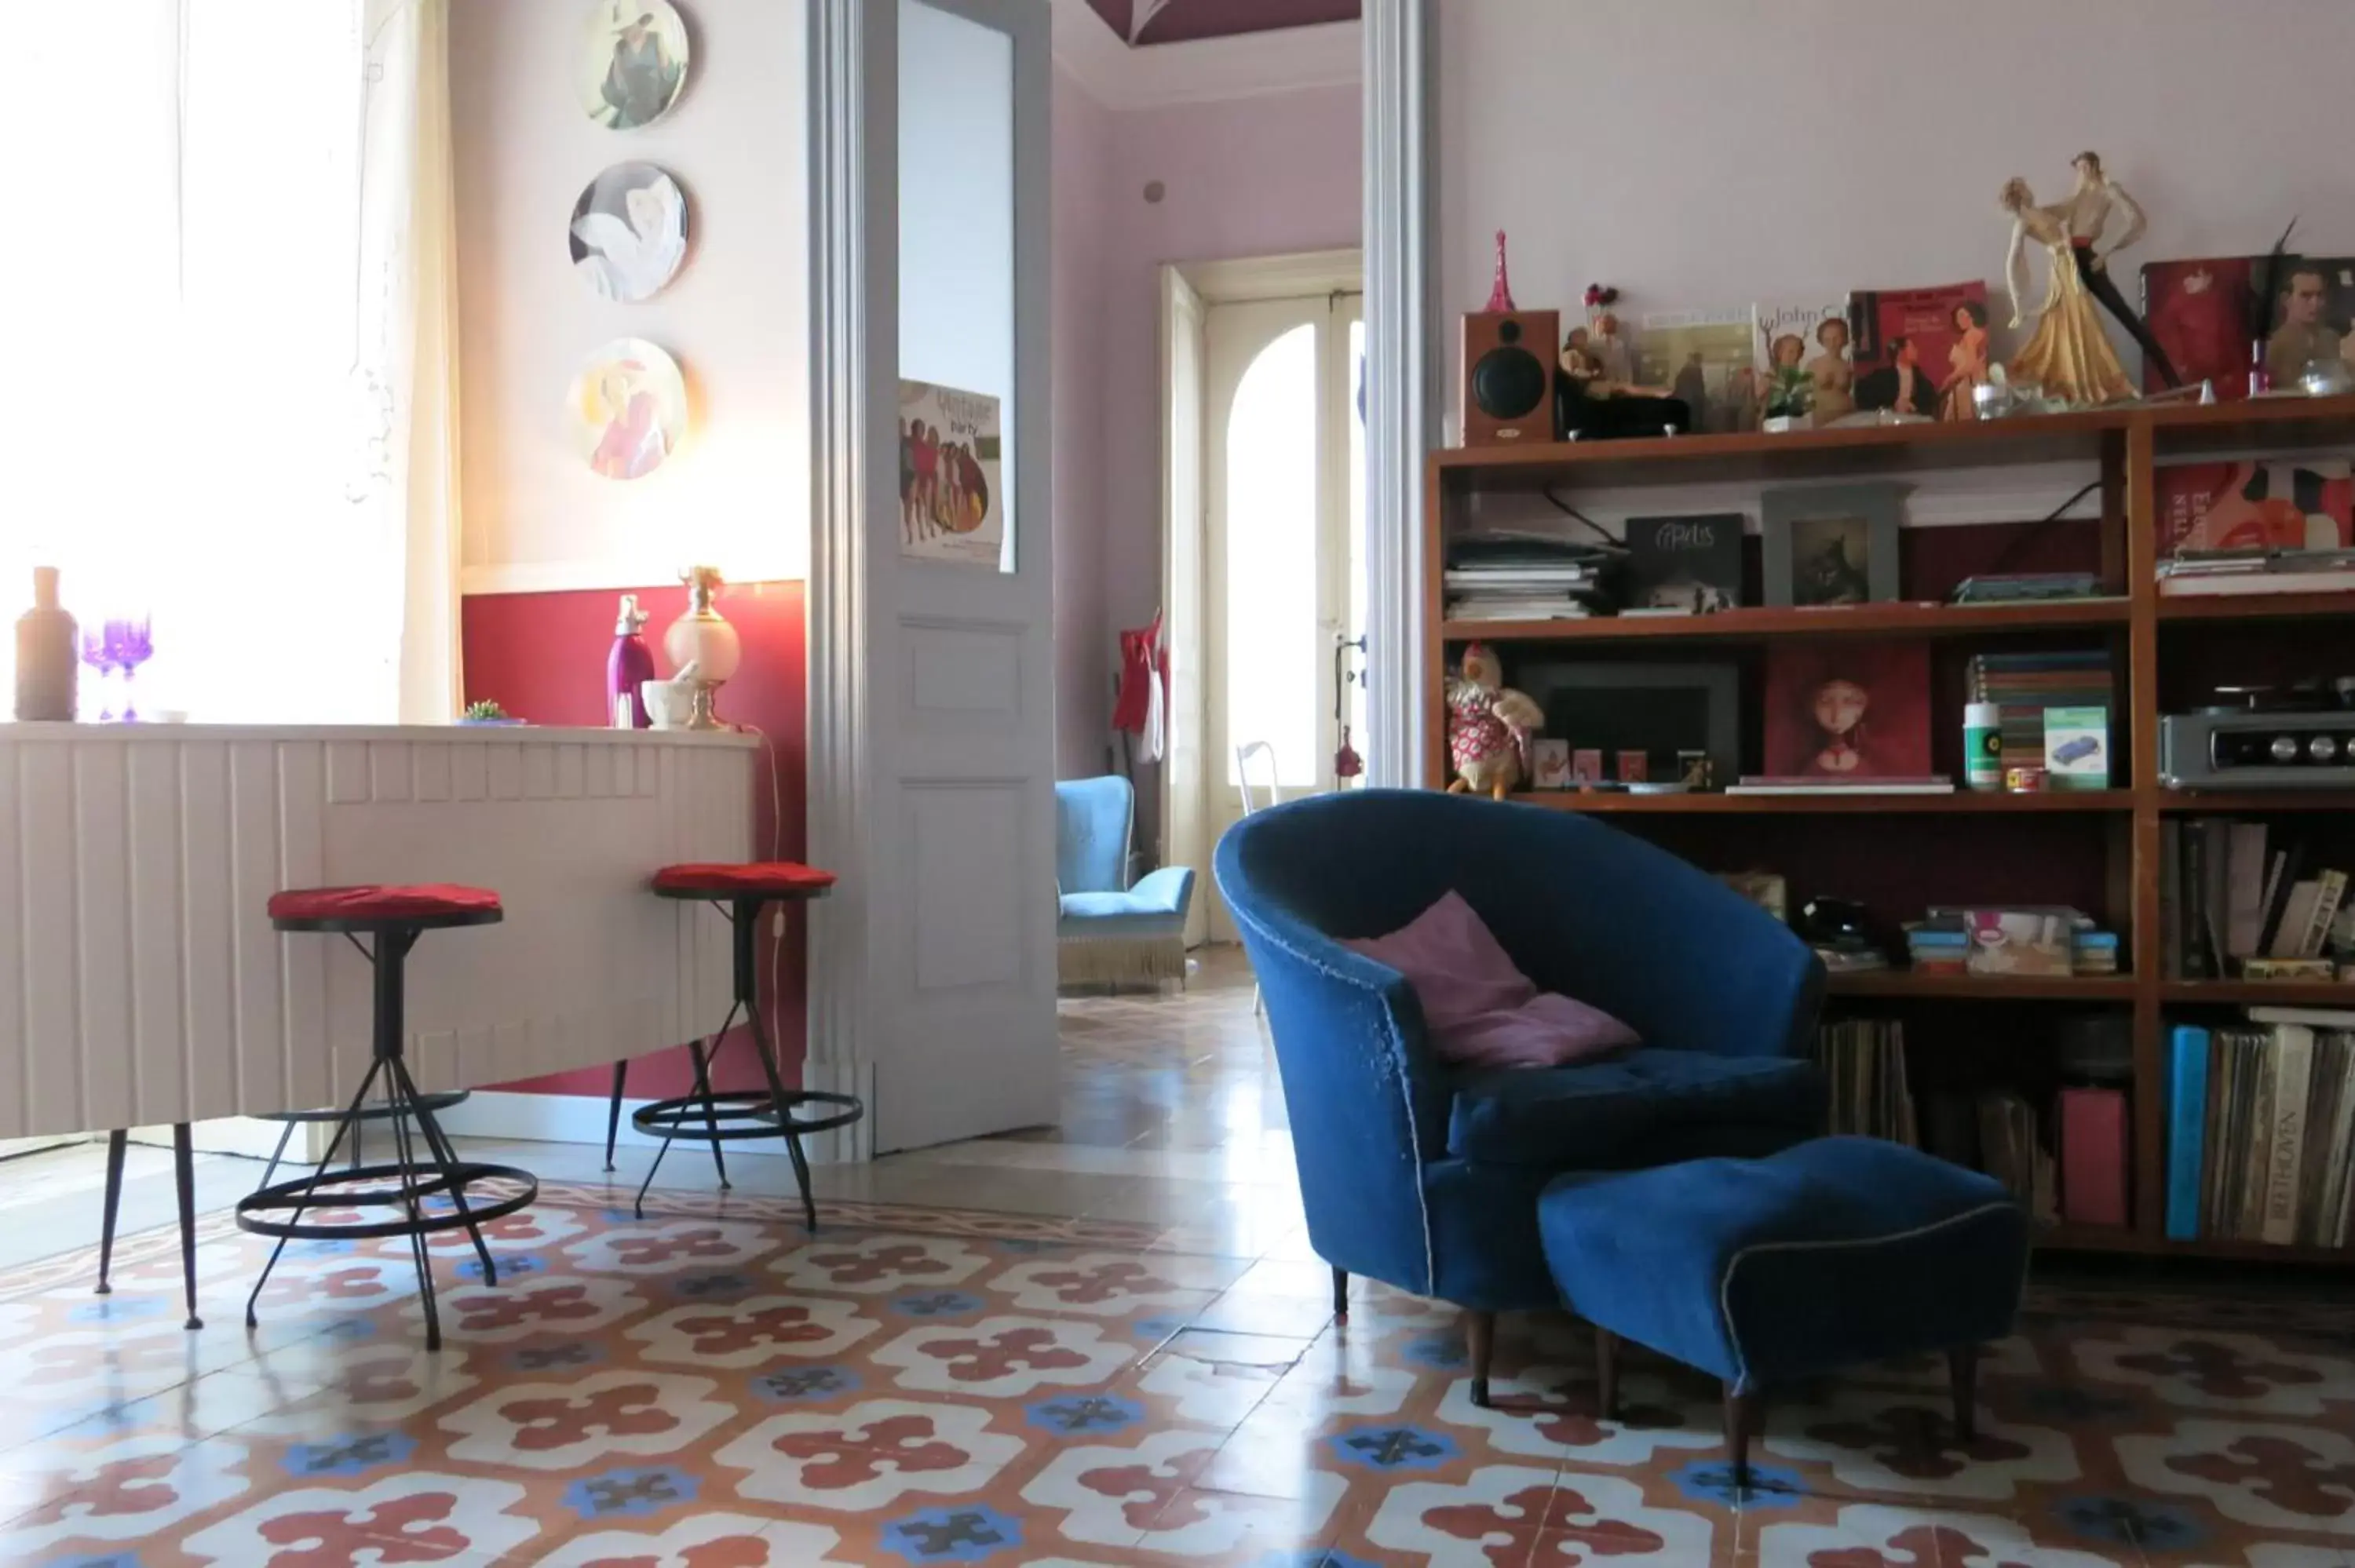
(629, 232)
(628, 409)
(633, 62)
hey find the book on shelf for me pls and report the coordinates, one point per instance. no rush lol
(2027, 588)
(1863, 1064)
(2244, 898)
(1914, 347)
(2240, 572)
(1686, 564)
(1821, 784)
(2094, 1156)
(2302, 503)
(2261, 1134)
(1704, 358)
(2012, 1151)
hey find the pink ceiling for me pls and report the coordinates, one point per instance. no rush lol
(1179, 21)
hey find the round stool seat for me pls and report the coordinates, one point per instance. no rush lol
(279, 1210)
(423, 907)
(759, 879)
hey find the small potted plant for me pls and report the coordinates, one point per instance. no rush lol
(486, 713)
(1790, 399)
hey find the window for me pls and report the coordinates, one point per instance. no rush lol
(1271, 557)
(193, 419)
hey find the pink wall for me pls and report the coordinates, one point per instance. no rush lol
(1082, 642)
(1244, 177)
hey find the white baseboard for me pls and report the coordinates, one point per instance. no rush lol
(576, 1119)
(245, 1135)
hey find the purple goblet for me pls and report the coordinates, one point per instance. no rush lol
(97, 653)
(131, 643)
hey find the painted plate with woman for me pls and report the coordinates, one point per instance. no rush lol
(628, 409)
(634, 63)
(629, 232)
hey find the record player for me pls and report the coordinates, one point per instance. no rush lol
(2259, 738)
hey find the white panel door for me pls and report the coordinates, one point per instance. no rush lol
(958, 817)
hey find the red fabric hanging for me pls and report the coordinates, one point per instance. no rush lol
(1144, 704)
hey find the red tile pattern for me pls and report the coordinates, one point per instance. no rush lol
(712, 1388)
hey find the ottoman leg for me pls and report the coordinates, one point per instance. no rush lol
(1962, 1370)
(1341, 1294)
(1741, 1420)
(1607, 1375)
(1480, 1335)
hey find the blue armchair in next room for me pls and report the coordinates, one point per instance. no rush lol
(1425, 1176)
(1110, 933)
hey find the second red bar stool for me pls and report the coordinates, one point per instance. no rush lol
(707, 1116)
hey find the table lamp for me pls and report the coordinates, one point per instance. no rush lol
(701, 638)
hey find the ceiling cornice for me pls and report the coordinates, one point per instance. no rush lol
(1286, 59)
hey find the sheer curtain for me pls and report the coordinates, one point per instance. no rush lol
(238, 351)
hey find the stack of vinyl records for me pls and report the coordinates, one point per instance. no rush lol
(1863, 1061)
(2024, 684)
(1527, 576)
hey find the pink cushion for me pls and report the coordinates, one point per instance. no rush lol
(1482, 1011)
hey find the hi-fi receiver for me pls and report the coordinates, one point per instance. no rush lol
(2266, 750)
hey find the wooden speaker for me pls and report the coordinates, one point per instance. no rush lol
(1509, 373)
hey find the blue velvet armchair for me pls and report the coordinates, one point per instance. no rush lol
(1427, 1177)
(1108, 933)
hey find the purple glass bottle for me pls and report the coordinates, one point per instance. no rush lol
(630, 662)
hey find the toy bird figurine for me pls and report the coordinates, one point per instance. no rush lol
(1488, 727)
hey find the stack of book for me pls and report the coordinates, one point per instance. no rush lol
(2260, 1130)
(2022, 685)
(1527, 576)
(1833, 784)
(1937, 947)
(2256, 571)
(2046, 941)
(2236, 900)
(1863, 1060)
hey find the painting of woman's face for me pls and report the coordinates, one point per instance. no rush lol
(1839, 707)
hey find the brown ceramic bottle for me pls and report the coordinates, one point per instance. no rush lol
(47, 661)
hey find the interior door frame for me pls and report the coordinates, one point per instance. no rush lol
(863, 596)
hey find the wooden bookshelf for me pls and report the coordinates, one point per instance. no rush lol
(2121, 447)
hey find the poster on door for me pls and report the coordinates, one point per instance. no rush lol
(952, 502)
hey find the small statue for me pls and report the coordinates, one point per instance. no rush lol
(2080, 220)
(2070, 356)
(1500, 292)
(1488, 727)
(1610, 349)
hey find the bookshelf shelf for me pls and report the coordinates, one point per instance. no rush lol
(1962, 803)
(1766, 625)
(2261, 993)
(2210, 802)
(1981, 988)
(2257, 606)
(2108, 839)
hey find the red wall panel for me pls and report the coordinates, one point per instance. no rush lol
(541, 656)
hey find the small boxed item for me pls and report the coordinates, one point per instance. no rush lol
(2077, 748)
(2021, 943)
(2095, 953)
(1550, 762)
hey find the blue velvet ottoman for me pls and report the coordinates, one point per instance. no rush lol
(1836, 1251)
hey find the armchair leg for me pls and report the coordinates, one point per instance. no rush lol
(1962, 1368)
(1480, 1335)
(1741, 1420)
(1340, 1295)
(1607, 1375)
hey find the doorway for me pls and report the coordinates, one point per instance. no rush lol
(1275, 506)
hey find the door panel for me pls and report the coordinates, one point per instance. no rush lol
(961, 990)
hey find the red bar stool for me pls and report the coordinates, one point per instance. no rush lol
(738, 892)
(395, 917)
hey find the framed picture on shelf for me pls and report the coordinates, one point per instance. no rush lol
(1848, 710)
(1550, 761)
(1832, 544)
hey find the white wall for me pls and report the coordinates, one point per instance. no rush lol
(737, 492)
(1699, 152)
(1082, 642)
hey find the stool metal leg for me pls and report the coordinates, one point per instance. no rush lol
(613, 1109)
(270, 1171)
(349, 1119)
(116, 1142)
(780, 1096)
(702, 1060)
(703, 1087)
(446, 1156)
(411, 1201)
(184, 1177)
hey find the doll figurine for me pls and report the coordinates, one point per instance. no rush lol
(1488, 727)
(2069, 357)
